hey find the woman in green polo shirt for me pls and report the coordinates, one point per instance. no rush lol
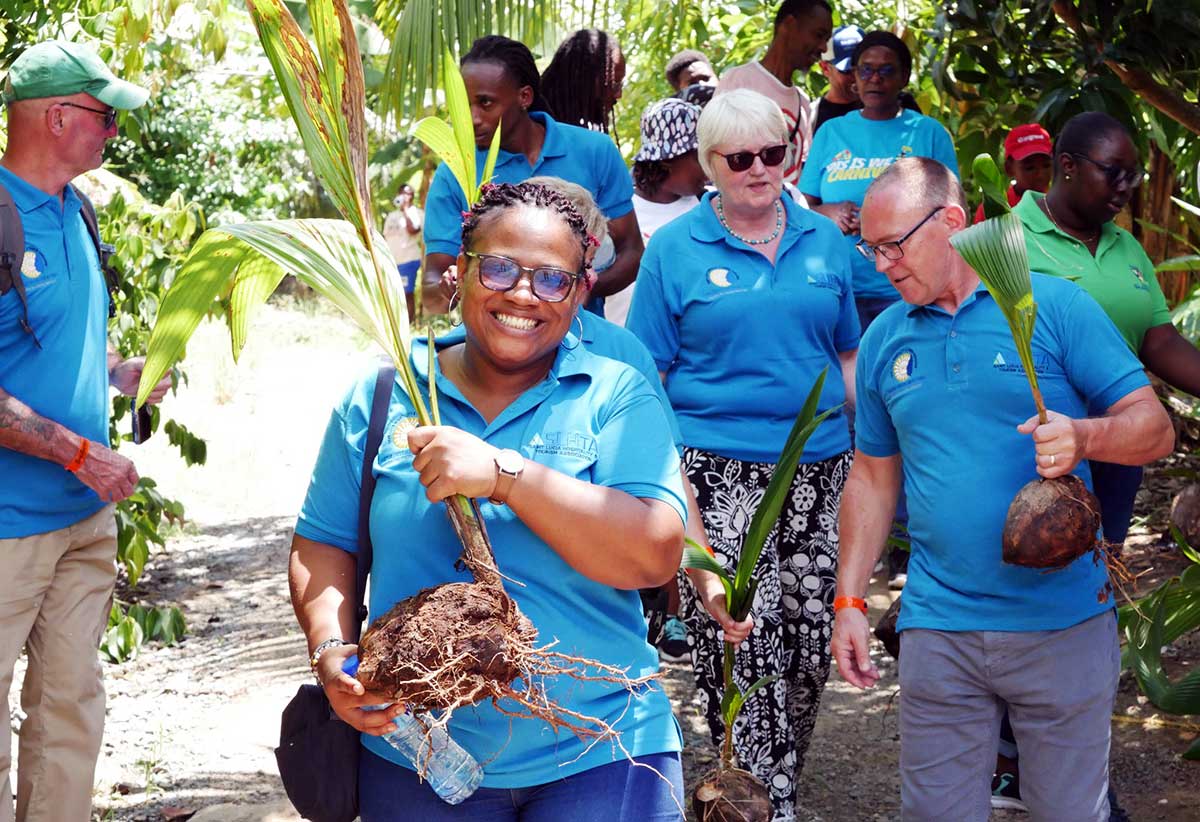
(1070, 233)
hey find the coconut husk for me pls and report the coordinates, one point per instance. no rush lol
(731, 795)
(885, 630)
(1185, 514)
(1051, 523)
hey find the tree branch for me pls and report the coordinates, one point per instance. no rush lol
(1138, 80)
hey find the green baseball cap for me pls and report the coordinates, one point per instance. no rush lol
(58, 69)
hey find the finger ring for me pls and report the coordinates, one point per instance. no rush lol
(1053, 459)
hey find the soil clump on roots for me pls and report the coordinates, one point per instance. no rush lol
(447, 646)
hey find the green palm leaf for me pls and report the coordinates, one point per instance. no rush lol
(995, 248)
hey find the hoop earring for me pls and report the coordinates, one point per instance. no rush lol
(579, 338)
(450, 310)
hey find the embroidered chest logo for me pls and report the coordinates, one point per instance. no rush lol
(29, 268)
(565, 444)
(904, 365)
(400, 431)
(1139, 279)
(1012, 364)
(905, 151)
(722, 277)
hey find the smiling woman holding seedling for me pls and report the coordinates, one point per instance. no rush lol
(574, 454)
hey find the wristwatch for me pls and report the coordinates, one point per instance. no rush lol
(509, 465)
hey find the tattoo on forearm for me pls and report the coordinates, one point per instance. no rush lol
(23, 429)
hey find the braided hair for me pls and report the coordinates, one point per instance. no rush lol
(517, 61)
(495, 199)
(578, 80)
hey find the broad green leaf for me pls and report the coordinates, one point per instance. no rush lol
(489, 165)
(766, 680)
(1188, 262)
(438, 135)
(767, 512)
(461, 121)
(995, 249)
(696, 557)
(993, 184)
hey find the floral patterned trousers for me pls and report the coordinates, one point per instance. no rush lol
(793, 611)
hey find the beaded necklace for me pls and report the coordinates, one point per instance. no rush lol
(747, 240)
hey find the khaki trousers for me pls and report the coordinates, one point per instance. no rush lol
(55, 593)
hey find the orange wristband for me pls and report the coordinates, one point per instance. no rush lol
(849, 602)
(74, 465)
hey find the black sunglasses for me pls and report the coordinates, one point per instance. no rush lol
(1116, 175)
(891, 249)
(742, 160)
(110, 114)
(550, 285)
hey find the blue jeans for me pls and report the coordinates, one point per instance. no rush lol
(617, 792)
(1116, 486)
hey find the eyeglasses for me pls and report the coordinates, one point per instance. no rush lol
(891, 249)
(883, 72)
(1116, 175)
(110, 114)
(742, 160)
(550, 285)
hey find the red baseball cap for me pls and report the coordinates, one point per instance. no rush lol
(1027, 139)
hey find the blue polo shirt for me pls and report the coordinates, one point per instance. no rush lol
(66, 380)
(592, 418)
(586, 158)
(742, 340)
(947, 393)
(606, 339)
(849, 152)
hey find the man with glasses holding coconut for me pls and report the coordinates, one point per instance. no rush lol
(58, 537)
(944, 407)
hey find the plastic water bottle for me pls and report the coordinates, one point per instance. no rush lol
(450, 770)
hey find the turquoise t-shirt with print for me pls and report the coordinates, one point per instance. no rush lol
(849, 152)
(591, 418)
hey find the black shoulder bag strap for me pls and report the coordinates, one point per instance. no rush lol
(104, 251)
(379, 412)
(12, 254)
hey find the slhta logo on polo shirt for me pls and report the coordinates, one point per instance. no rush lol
(1010, 363)
(564, 444)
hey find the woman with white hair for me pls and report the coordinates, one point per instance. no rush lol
(743, 301)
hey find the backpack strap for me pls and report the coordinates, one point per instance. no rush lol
(12, 254)
(104, 251)
(379, 411)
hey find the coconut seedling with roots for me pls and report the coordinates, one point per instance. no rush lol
(1051, 522)
(455, 644)
(730, 794)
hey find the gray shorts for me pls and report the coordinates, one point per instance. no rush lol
(1059, 687)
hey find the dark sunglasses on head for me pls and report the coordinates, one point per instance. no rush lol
(550, 285)
(883, 72)
(1116, 175)
(110, 114)
(742, 160)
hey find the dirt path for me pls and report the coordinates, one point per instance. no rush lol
(191, 728)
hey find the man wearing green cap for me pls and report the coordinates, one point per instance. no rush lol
(58, 477)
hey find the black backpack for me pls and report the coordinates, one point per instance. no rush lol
(12, 252)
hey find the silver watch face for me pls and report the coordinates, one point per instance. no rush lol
(510, 462)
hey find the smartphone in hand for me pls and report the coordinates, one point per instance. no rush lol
(141, 424)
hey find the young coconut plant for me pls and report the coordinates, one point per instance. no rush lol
(455, 644)
(1051, 522)
(730, 794)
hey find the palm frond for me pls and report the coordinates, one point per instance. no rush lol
(995, 248)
